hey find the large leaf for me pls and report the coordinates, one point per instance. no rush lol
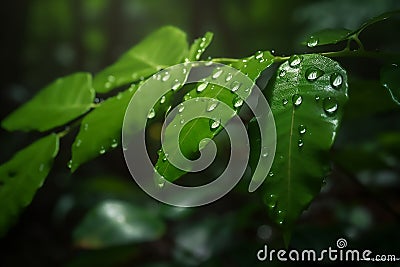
(199, 129)
(327, 36)
(374, 20)
(113, 223)
(58, 103)
(21, 176)
(390, 79)
(100, 130)
(307, 99)
(163, 48)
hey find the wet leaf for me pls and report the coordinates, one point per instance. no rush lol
(326, 36)
(21, 176)
(58, 103)
(199, 46)
(390, 79)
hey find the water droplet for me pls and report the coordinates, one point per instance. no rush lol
(317, 98)
(212, 104)
(114, 143)
(69, 164)
(162, 100)
(181, 108)
(282, 73)
(217, 73)
(209, 63)
(270, 174)
(176, 85)
(203, 144)
(312, 41)
(312, 74)
(182, 121)
(151, 114)
(235, 86)
(41, 167)
(214, 124)
(271, 201)
(336, 80)
(166, 77)
(284, 101)
(102, 150)
(107, 85)
(165, 157)
(330, 106)
(300, 143)
(259, 55)
(294, 61)
(85, 127)
(297, 100)
(187, 97)
(237, 102)
(184, 70)
(78, 143)
(228, 77)
(119, 96)
(161, 182)
(201, 87)
(111, 78)
(302, 129)
(264, 152)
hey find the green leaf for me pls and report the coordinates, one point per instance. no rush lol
(199, 46)
(21, 176)
(390, 79)
(202, 128)
(113, 223)
(100, 130)
(379, 18)
(58, 103)
(163, 48)
(307, 98)
(326, 36)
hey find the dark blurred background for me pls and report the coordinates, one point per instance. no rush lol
(46, 39)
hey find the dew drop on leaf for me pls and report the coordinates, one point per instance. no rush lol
(114, 143)
(312, 74)
(161, 182)
(237, 102)
(330, 106)
(69, 164)
(300, 143)
(214, 124)
(294, 61)
(264, 152)
(235, 86)
(302, 129)
(181, 108)
(176, 85)
(41, 167)
(102, 150)
(162, 100)
(166, 77)
(228, 77)
(217, 73)
(282, 73)
(312, 41)
(336, 80)
(297, 100)
(212, 104)
(317, 98)
(284, 101)
(201, 87)
(151, 114)
(78, 143)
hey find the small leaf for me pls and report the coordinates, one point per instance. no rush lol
(199, 46)
(390, 79)
(307, 101)
(202, 128)
(379, 18)
(100, 130)
(21, 176)
(113, 223)
(60, 102)
(326, 36)
(163, 48)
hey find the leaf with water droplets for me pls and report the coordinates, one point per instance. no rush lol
(163, 48)
(99, 132)
(196, 131)
(326, 37)
(58, 103)
(21, 176)
(306, 129)
(199, 46)
(390, 79)
(115, 223)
